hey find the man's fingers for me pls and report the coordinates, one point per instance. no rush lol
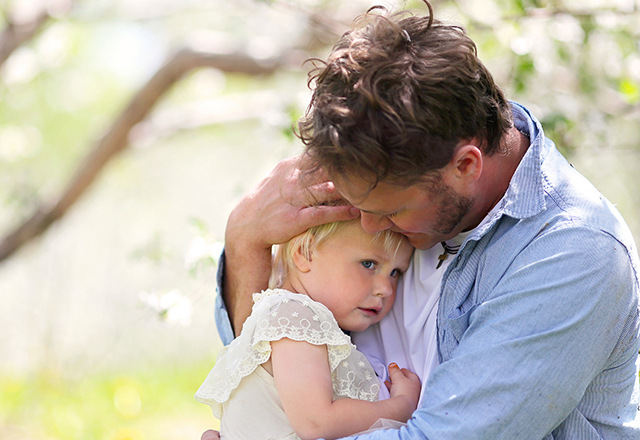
(300, 193)
(318, 215)
(301, 187)
(210, 434)
(323, 193)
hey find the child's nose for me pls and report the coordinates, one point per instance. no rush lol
(384, 287)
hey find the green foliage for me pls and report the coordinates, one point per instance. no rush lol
(630, 90)
(578, 66)
(523, 71)
(151, 404)
(577, 69)
(561, 127)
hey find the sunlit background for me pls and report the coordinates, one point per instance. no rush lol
(106, 318)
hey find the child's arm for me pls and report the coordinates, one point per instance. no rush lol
(303, 380)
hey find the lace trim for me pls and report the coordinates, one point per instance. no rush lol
(278, 314)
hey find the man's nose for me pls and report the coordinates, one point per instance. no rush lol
(373, 223)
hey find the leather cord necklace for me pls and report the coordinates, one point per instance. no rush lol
(448, 250)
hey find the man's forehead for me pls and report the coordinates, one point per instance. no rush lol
(371, 198)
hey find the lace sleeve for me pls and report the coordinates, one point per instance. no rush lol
(281, 314)
(299, 318)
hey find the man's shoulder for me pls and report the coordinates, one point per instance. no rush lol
(573, 202)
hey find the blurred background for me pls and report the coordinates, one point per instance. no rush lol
(128, 131)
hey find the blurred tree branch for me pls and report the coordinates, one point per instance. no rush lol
(14, 35)
(323, 27)
(116, 138)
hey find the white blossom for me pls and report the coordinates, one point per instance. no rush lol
(173, 307)
(200, 250)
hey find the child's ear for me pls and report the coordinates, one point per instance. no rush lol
(302, 263)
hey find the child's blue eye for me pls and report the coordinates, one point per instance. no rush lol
(395, 272)
(368, 264)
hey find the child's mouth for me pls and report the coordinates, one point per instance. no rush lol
(370, 312)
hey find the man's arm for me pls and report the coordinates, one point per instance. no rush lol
(278, 209)
(246, 271)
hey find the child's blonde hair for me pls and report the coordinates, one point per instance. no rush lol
(309, 241)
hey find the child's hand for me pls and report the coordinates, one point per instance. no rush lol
(404, 386)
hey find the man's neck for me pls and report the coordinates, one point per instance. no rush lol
(498, 170)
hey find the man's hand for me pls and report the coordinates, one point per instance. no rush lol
(210, 434)
(286, 203)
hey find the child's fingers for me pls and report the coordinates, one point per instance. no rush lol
(394, 371)
(409, 374)
(397, 373)
(392, 367)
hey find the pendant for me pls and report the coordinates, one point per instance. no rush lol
(447, 250)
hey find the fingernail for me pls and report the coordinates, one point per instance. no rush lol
(393, 365)
(354, 212)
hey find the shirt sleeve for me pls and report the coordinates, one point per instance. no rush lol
(223, 323)
(555, 340)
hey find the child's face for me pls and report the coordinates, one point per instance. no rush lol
(355, 277)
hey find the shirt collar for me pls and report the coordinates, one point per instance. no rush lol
(525, 195)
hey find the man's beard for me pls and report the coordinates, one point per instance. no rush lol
(452, 208)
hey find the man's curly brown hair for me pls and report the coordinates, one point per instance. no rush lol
(396, 95)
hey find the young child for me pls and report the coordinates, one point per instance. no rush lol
(293, 373)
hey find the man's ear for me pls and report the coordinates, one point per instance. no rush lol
(467, 162)
(301, 262)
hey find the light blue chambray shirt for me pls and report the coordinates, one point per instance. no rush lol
(538, 320)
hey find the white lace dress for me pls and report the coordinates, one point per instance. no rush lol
(242, 394)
